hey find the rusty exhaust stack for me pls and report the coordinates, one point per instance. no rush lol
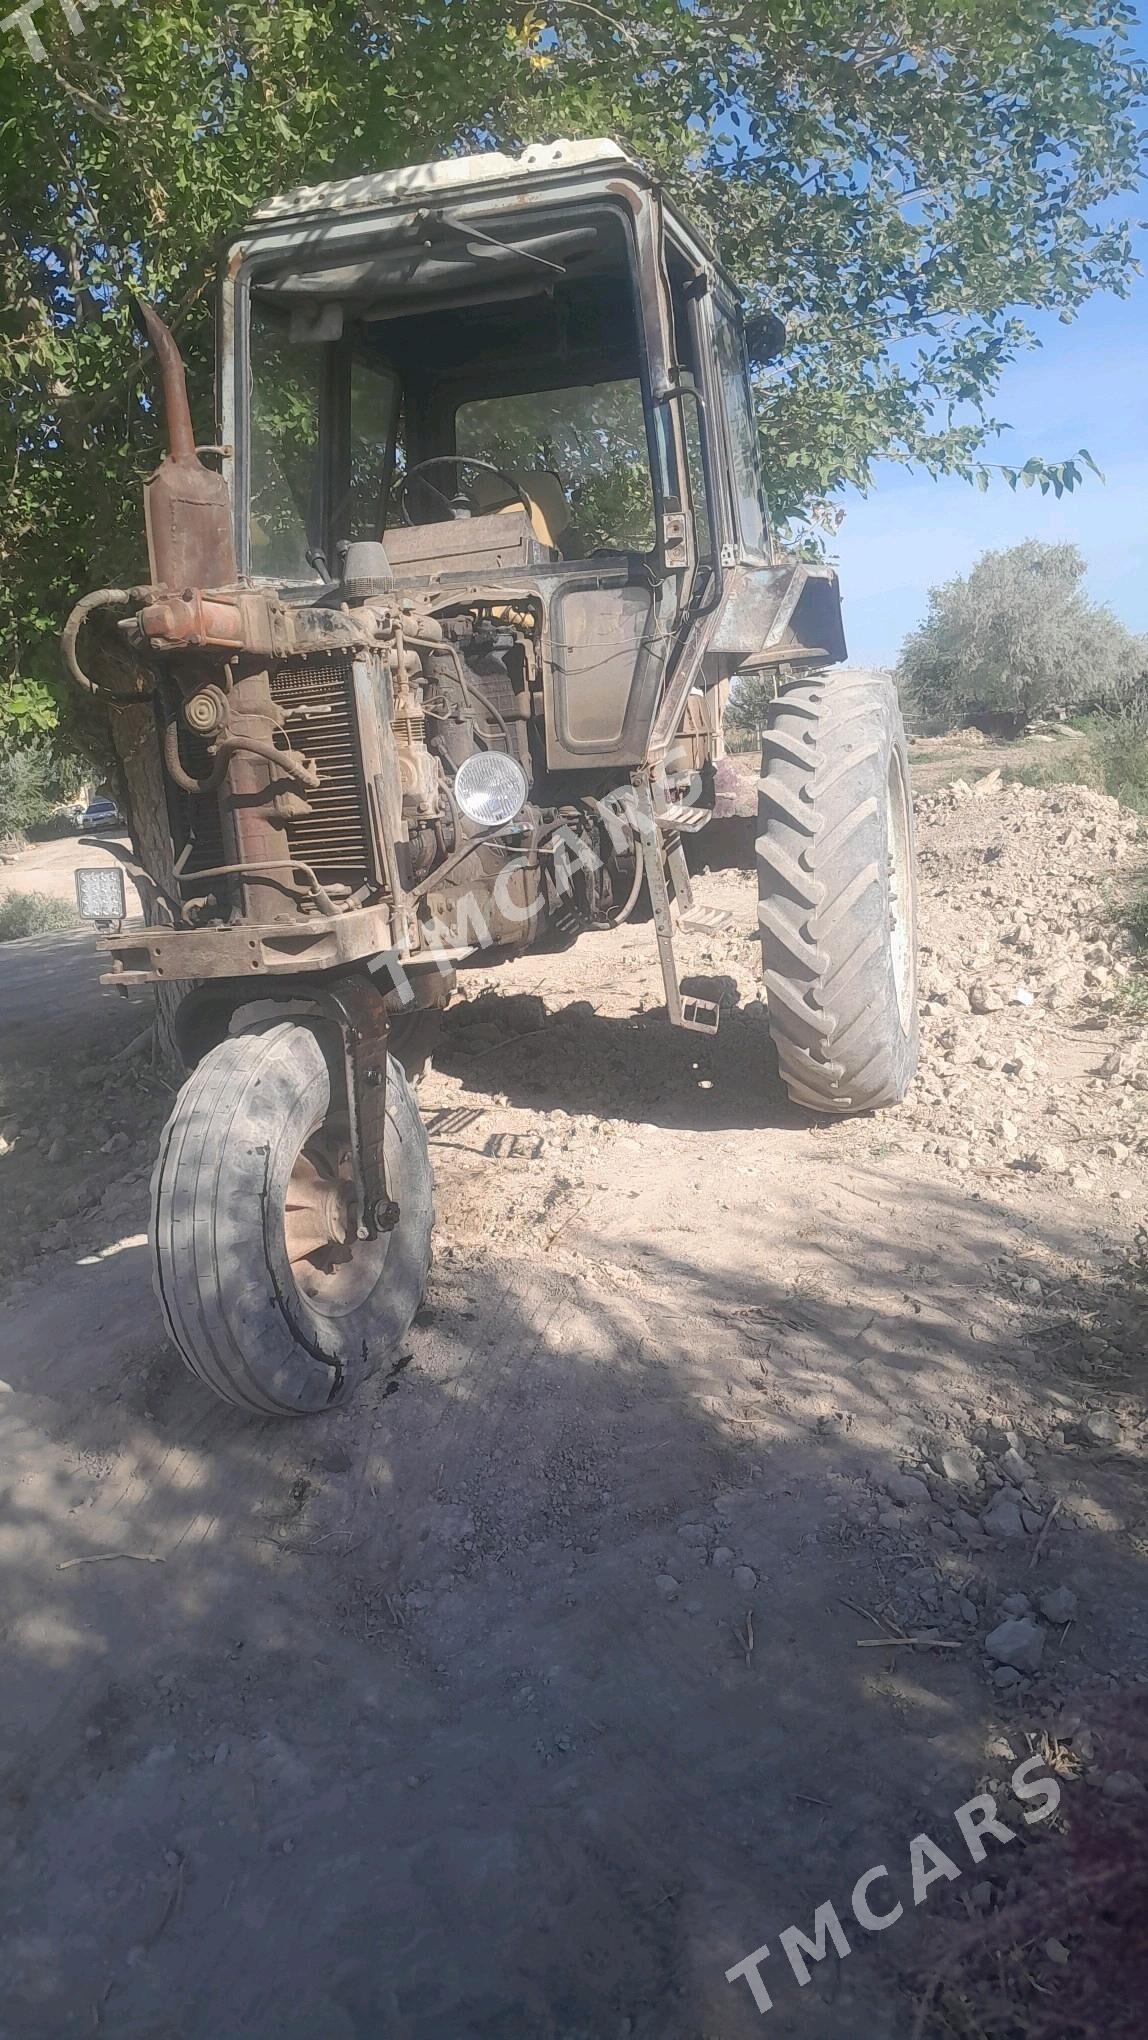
(187, 508)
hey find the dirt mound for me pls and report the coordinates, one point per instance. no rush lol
(1024, 971)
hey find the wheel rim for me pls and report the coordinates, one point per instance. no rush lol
(901, 937)
(333, 1269)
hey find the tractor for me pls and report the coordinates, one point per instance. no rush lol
(438, 640)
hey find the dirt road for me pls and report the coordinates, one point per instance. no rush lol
(50, 867)
(535, 1690)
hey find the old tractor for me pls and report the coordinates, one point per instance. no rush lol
(438, 660)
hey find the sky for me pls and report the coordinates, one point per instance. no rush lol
(1087, 385)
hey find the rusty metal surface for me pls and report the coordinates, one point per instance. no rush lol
(359, 1011)
(466, 544)
(782, 612)
(187, 508)
(174, 955)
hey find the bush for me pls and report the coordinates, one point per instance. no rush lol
(1121, 743)
(33, 913)
(29, 780)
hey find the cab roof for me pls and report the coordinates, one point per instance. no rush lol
(457, 174)
(489, 172)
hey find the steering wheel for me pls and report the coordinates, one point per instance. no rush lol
(458, 461)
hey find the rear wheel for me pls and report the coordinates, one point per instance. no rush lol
(265, 1287)
(837, 893)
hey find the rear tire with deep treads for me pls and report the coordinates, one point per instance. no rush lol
(837, 892)
(268, 1332)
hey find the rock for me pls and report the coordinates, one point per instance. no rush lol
(888, 1519)
(1018, 1642)
(744, 1579)
(967, 1527)
(999, 1439)
(1031, 1287)
(981, 1895)
(1100, 1427)
(1005, 1676)
(58, 1152)
(959, 1467)
(1014, 1468)
(1057, 1604)
(117, 1145)
(1056, 1951)
(1122, 1785)
(1031, 1519)
(905, 1488)
(1023, 997)
(1052, 1161)
(1016, 1604)
(1002, 1520)
(667, 1586)
(722, 1558)
(983, 999)
(693, 1533)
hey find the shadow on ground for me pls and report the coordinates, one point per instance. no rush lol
(635, 1069)
(456, 1714)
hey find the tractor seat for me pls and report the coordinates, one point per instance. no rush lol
(549, 509)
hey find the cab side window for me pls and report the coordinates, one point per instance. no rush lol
(742, 433)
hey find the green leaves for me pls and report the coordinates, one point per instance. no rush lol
(1018, 634)
(898, 184)
(1061, 476)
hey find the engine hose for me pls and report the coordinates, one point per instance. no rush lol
(225, 751)
(100, 598)
(623, 914)
(491, 710)
(175, 768)
(636, 887)
(467, 685)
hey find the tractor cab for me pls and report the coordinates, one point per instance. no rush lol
(529, 373)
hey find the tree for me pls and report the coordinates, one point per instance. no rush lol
(1015, 636)
(748, 705)
(898, 181)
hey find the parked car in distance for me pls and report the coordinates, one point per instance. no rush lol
(101, 813)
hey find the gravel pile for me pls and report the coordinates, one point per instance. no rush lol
(1028, 1061)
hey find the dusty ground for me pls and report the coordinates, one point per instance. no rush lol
(533, 1691)
(51, 867)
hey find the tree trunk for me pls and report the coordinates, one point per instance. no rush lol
(136, 742)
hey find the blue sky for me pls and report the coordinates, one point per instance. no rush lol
(1087, 385)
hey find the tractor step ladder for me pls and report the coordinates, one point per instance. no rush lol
(664, 859)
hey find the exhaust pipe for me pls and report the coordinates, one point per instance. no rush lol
(187, 508)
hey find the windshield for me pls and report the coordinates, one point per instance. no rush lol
(533, 402)
(299, 395)
(579, 454)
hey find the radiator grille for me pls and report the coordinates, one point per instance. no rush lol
(333, 839)
(195, 816)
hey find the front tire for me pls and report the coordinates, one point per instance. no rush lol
(837, 892)
(264, 1288)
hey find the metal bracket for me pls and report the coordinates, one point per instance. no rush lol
(360, 1013)
(699, 1016)
(358, 1010)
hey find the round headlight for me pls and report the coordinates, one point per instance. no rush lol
(490, 788)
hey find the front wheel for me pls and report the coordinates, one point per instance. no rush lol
(265, 1288)
(837, 892)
